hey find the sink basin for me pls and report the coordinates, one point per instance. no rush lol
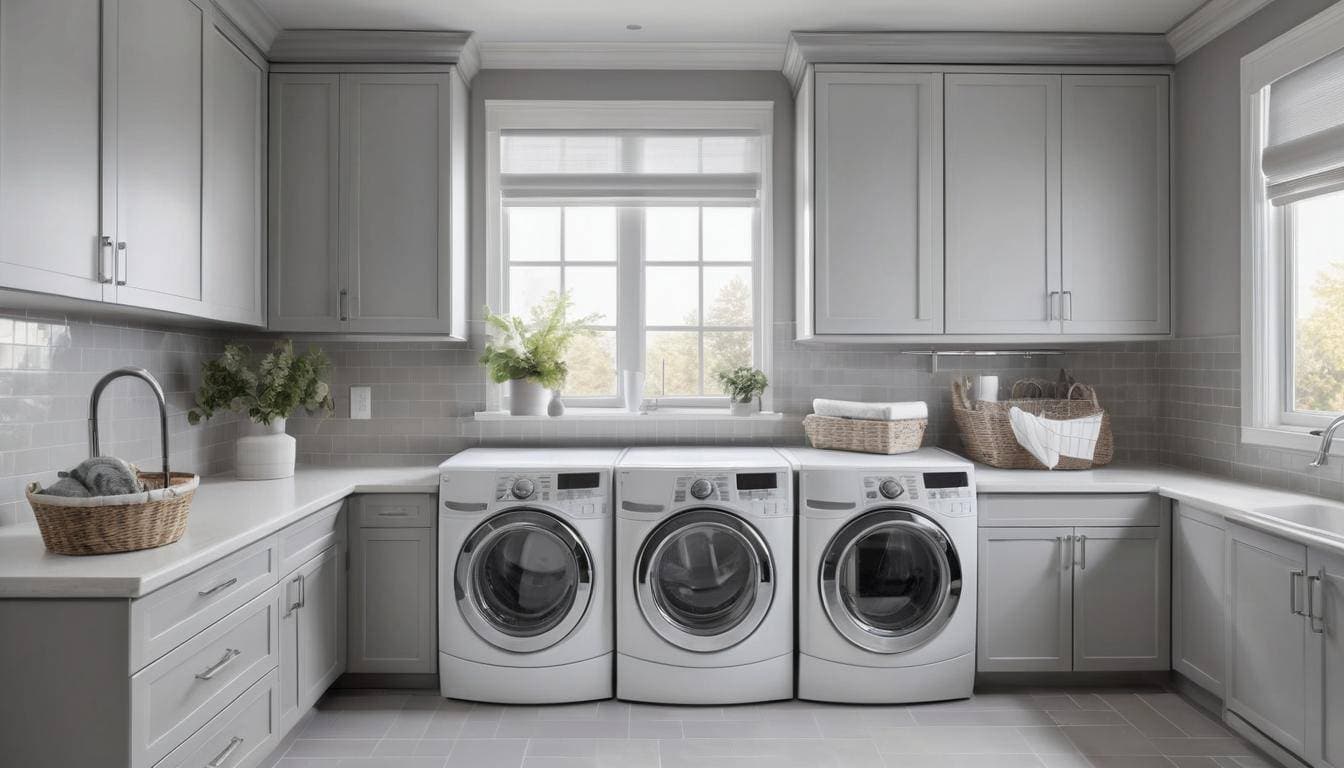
(1324, 517)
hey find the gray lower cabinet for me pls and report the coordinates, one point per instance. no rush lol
(1325, 661)
(312, 632)
(1198, 597)
(1058, 598)
(393, 627)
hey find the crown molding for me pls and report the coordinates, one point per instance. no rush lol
(364, 46)
(252, 20)
(632, 55)
(1004, 48)
(1208, 21)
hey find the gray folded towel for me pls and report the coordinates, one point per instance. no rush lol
(99, 476)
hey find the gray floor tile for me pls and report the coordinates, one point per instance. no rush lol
(1087, 717)
(1047, 740)
(950, 740)
(559, 729)
(349, 723)
(982, 717)
(487, 753)
(749, 729)
(331, 748)
(962, 761)
(1109, 740)
(1130, 761)
(1074, 760)
(1185, 715)
(656, 729)
(1225, 745)
(1136, 710)
(391, 762)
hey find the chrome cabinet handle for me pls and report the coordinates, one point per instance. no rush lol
(293, 603)
(1293, 576)
(1082, 561)
(341, 299)
(229, 655)
(218, 587)
(223, 757)
(104, 269)
(1068, 313)
(1052, 305)
(121, 260)
(1066, 544)
(303, 591)
(1312, 616)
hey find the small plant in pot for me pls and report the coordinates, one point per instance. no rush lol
(268, 390)
(530, 354)
(744, 385)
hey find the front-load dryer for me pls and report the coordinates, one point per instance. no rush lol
(887, 569)
(525, 575)
(704, 561)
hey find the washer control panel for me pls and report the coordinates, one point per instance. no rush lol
(917, 486)
(764, 493)
(578, 492)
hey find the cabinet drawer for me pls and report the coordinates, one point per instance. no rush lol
(165, 619)
(176, 695)
(307, 538)
(240, 736)
(394, 510)
(1055, 509)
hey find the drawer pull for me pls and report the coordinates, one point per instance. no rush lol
(223, 757)
(397, 512)
(218, 587)
(1293, 576)
(229, 655)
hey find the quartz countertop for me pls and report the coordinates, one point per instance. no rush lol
(227, 514)
(1322, 525)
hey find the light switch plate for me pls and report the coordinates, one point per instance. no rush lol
(361, 402)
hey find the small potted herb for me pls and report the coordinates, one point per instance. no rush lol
(269, 390)
(743, 385)
(530, 354)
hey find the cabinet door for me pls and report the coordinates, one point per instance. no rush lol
(396, 201)
(1121, 592)
(321, 636)
(1025, 600)
(156, 153)
(287, 608)
(1002, 203)
(1198, 587)
(392, 601)
(304, 278)
(1115, 198)
(234, 223)
(50, 88)
(1325, 662)
(1267, 662)
(879, 212)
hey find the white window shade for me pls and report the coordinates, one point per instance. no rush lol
(1304, 152)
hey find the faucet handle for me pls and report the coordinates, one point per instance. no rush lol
(1317, 432)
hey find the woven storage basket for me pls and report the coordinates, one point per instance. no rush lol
(864, 436)
(107, 524)
(987, 434)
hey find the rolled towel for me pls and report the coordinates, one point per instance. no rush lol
(848, 409)
(67, 486)
(106, 476)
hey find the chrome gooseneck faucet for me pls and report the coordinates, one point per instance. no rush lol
(139, 373)
(1327, 435)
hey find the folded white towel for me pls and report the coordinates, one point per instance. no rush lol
(1048, 439)
(848, 409)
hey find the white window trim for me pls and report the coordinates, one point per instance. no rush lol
(1265, 295)
(755, 116)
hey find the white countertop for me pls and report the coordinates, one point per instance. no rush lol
(1240, 502)
(226, 515)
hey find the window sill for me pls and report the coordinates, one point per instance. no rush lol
(1289, 438)
(617, 414)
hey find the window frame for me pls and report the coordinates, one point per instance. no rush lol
(756, 117)
(1267, 304)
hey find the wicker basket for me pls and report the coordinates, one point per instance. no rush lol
(987, 434)
(106, 524)
(863, 435)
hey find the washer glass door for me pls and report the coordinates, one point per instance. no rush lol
(523, 580)
(704, 580)
(890, 580)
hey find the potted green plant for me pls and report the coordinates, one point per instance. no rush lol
(530, 354)
(268, 390)
(743, 385)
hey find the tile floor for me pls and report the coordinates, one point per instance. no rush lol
(1095, 728)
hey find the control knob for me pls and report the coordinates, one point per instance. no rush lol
(523, 488)
(890, 489)
(702, 488)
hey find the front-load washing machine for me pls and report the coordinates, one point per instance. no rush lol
(525, 575)
(704, 558)
(887, 564)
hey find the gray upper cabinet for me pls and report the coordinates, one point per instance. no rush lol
(1116, 204)
(878, 203)
(368, 214)
(49, 133)
(1002, 203)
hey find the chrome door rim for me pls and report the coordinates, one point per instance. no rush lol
(852, 627)
(668, 627)
(468, 558)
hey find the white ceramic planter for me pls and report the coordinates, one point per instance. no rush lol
(742, 409)
(528, 398)
(265, 452)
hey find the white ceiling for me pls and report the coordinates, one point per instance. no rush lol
(736, 21)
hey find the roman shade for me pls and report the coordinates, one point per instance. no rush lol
(1304, 147)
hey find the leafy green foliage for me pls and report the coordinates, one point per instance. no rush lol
(744, 383)
(271, 388)
(533, 349)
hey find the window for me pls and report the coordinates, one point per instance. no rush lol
(1293, 251)
(653, 218)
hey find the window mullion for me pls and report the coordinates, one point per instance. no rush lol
(629, 302)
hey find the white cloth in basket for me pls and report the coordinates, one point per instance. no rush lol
(1048, 439)
(849, 409)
